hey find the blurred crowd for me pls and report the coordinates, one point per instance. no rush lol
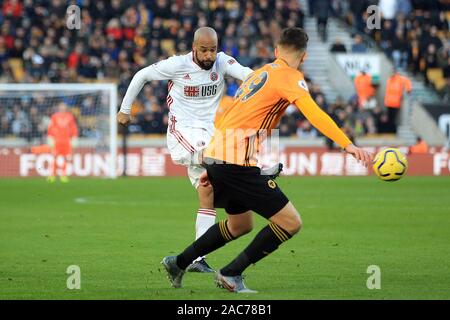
(27, 114)
(355, 120)
(118, 37)
(413, 33)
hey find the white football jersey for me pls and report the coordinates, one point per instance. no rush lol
(193, 93)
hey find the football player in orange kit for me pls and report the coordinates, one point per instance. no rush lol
(231, 165)
(62, 134)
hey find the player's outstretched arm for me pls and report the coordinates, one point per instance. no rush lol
(136, 84)
(163, 70)
(322, 121)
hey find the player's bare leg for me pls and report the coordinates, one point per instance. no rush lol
(52, 176)
(63, 177)
(54, 167)
(206, 216)
(240, 224)
(288, 218)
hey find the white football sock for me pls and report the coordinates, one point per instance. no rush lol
(206, 218)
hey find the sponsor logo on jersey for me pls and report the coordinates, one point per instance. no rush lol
(214, 76)
(208, 91)
(200, 91)
(231, 61)
(191, 91)
(187, 77)
(201, 143)
(272, 184)
(302, 84)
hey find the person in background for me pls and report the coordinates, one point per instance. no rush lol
(62, 135)
(358, 46)
(338, 46)
(322, 10)
(420, 147)
(364, 88)
(395, 87)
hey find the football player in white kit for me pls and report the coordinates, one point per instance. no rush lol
(195, 87)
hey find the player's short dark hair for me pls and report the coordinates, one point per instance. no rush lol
(294, 37)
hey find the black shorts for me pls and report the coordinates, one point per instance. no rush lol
(238, 189)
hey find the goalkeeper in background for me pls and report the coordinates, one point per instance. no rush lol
(62, 134)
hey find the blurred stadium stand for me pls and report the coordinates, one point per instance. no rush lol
(119, 37)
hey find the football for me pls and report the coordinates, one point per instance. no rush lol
(390, 164)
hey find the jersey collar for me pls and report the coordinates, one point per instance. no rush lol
(281, 62)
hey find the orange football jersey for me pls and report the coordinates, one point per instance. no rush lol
(258, 106)
(62, 128)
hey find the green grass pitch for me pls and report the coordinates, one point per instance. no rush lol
(117, 232)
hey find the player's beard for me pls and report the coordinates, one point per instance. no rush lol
(202, 63)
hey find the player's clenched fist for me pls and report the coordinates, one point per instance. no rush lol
(123, 118)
